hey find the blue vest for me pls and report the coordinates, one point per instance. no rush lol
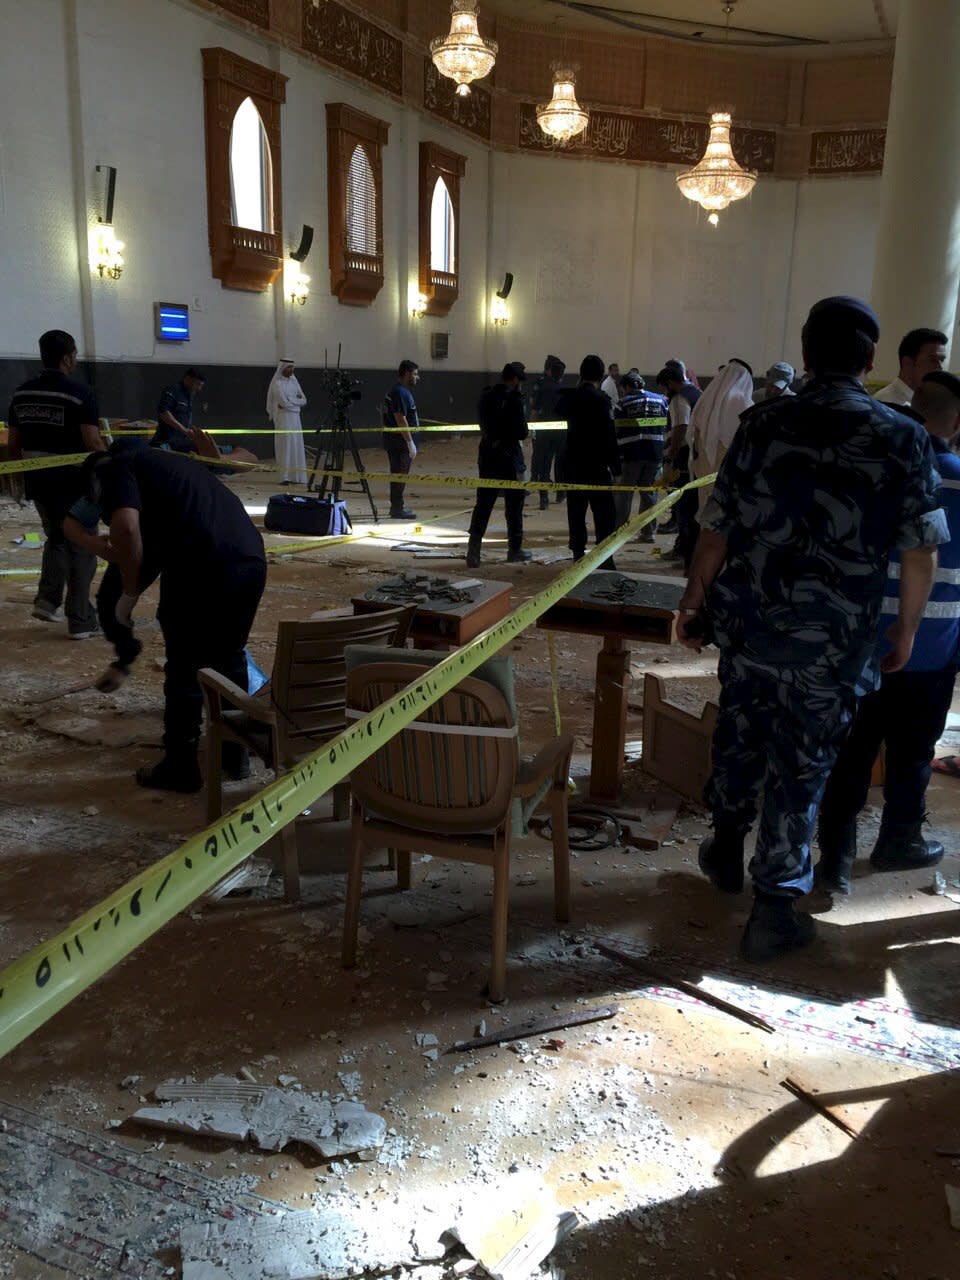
(938, 639)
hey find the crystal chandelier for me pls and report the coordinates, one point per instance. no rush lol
(562, 118)
(717, 180)
(463, 55)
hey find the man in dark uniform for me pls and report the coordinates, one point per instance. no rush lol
(592, 456)
(812, 498)
(641, 421)
(170, 517)
(503, 424)
(547, 445)
(175, 413)
(401, 444)
(49, 415)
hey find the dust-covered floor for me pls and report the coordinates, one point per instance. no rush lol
(666, 1128)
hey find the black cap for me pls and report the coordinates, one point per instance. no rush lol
(514, 369)
(195, 373)
(842, 312)
(944, 379)
(633, 380)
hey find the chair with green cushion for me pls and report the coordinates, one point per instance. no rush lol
(452, 784)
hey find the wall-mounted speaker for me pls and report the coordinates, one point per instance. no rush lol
(504, 292)
(303, 248)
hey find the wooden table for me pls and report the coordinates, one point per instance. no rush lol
(644, 610)
(440, 623)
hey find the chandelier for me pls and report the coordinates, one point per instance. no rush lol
(717, 180)
(463, 55)
(562, 118)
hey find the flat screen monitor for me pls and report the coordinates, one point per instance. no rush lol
(173, 321)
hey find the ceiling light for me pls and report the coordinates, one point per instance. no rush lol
(463, 55)
(717, 179)
(562, 118)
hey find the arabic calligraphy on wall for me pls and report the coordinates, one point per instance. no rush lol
(649, 139)
(340, 36)
(440, 98)
(255, 11)
(847, 151)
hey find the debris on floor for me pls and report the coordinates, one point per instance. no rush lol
(223, 1107)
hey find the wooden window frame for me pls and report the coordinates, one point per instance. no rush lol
(440, 288)
(355, 278)
(241, 258)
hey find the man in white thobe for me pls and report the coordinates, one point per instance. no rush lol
(285, 399)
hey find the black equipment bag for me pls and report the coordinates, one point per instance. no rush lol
(314, 517)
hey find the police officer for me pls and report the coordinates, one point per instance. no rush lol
(593, 457)
(641, 420)
(813, 497)
(169, 516)
(175, 414)
(503, 424)
(909, 710)
(547, 445)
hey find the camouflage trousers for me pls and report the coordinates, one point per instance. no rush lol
(777, 737)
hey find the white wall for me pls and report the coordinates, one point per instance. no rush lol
(607, 258)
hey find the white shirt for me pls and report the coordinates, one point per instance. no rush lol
(895, 392)
(609, 387)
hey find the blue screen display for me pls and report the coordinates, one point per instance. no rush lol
(173, 322)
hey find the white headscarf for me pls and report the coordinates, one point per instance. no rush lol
(279, 387)
(716, 415)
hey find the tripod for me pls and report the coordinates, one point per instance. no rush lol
(339, 442)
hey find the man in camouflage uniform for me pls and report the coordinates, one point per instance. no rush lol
(813, 496)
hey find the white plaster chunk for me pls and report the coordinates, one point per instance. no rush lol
(223, 1107)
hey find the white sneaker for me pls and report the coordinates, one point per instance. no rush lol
(44, 613)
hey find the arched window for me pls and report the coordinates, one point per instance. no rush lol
(251, 172)
(440, 174)
(355, 143)
(242, 105)
(442, 229)
(361, 204)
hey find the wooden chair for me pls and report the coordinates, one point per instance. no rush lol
(301, 707)
(452, 785)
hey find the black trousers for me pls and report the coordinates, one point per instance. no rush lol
(907, 714)
(398, 457)
(686, 511)
(604, 512)
(205, 619)
(513, 500)
(548, 452)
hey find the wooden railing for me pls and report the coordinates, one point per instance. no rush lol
(266, 242)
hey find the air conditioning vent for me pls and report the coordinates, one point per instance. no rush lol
(439, 346)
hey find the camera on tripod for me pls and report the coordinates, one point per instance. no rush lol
(342, 388)
(334, 440)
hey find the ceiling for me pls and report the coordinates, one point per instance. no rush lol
(755, 24)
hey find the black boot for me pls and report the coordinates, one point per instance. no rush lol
(519, 556)
(544, 500)
(838, 852)
(774, 927)
(721, 856)
(473, 553)
(179, 771)
(901, 847)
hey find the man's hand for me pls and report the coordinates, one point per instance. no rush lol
(684, 621)
(411, 449)
(124, 610)
(901, 638)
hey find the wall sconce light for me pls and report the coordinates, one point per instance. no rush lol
(106, 257)
(418, 303)
(499, 311)
(298, 287)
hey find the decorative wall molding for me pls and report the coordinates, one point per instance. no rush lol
(473, 113)
(611, 135)
(847, 151)
(338, 35)
(355, 278)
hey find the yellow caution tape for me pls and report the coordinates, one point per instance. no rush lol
(38, 984)
(554, 684)
(41, 464)
(395, 528)
(481, 482)
(447, 427)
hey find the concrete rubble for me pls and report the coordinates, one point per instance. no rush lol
(508, 1232)
(223, 1107)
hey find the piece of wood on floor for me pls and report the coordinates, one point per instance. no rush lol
(676, 744)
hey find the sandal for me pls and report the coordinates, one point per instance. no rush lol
(950, 765)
